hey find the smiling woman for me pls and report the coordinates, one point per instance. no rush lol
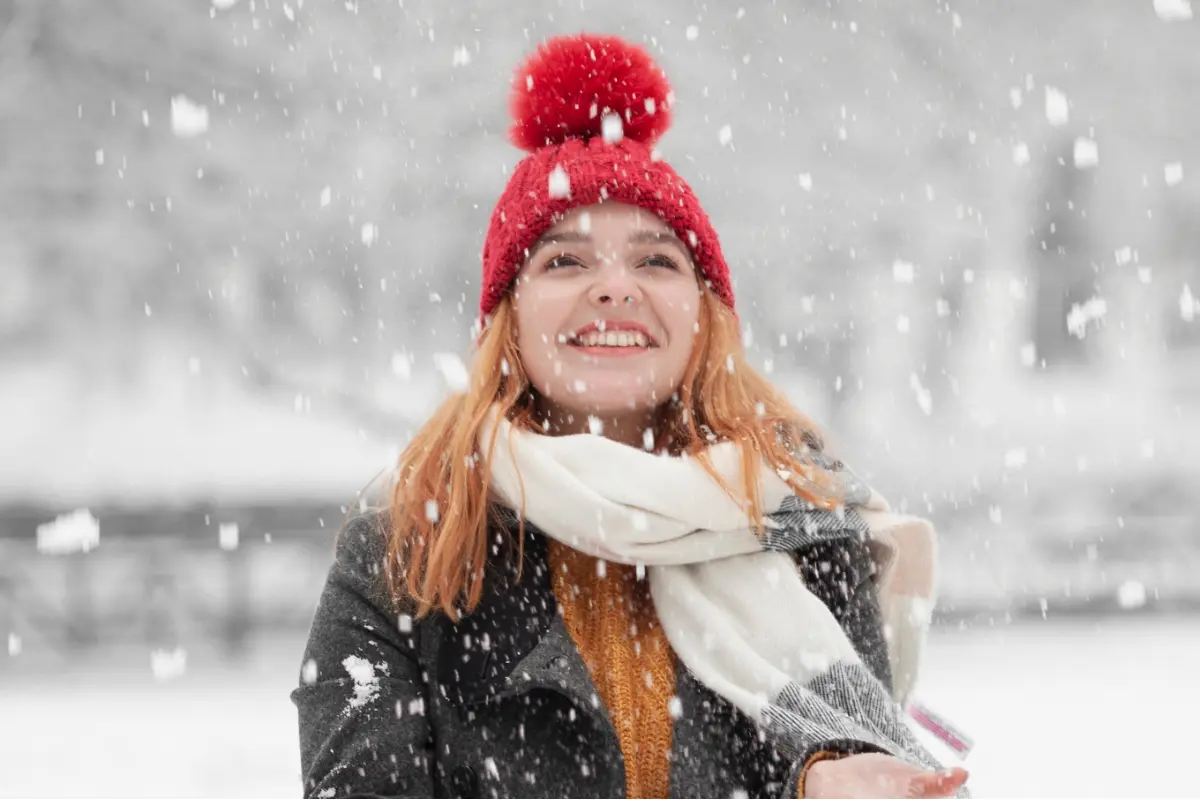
(619, 563)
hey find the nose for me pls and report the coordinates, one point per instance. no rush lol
(615, 286)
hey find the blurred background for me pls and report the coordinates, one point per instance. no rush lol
(239, 259)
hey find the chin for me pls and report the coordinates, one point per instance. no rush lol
(608, 397)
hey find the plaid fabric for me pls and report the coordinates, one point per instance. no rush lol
(847, 704)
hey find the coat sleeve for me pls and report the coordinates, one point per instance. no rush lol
(362, 697)
(840, 573)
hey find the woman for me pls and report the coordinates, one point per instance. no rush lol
(618, 564)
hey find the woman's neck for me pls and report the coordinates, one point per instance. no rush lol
(633, 428)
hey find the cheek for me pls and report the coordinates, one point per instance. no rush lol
(537, 329)
(680, 312)
(534, 342)
(541, 306)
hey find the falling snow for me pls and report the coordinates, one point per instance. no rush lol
(402, 365)
(369, 233)
(1081, 315)
(453, 371)
(188, 119)
(1189, 306)
(612, 129)
(227, 535)
(1016, 458)
(923, 395)
(168, 665)
(1087, 153)
(1057, 112)
(1173, 10)
(559, 183)
(1131, 594)
(77, 532)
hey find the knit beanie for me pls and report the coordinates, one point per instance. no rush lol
(588, 110)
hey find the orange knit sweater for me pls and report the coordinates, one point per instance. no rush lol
(611, 619)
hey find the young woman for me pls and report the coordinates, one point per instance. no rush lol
(619, 564)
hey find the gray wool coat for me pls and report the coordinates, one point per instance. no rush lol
(501, 703)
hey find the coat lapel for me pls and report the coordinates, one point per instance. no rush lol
(515, 640)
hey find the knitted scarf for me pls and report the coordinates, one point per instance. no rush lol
(728, 595)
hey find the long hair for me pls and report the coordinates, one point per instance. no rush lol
(439, 502)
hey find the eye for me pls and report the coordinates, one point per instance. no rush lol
(563, 261)
(661, 261)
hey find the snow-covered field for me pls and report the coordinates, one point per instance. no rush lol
(1098, 708)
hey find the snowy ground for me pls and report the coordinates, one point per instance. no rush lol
(1095, 708)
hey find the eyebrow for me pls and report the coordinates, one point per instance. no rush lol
(579, 237)
(654, 237)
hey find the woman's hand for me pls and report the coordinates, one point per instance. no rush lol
(879, 775)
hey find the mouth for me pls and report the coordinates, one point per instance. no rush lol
(606, 337)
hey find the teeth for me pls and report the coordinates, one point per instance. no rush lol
(599, 338)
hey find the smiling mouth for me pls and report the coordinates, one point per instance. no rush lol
(634, 340)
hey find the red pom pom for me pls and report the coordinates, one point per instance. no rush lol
(566, 88)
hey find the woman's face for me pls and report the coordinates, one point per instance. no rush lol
(607, 306)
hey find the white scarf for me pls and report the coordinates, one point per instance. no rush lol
(731, 602)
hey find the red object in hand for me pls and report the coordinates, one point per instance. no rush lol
(941, 728)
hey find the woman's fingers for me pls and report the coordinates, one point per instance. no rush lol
(937, 784)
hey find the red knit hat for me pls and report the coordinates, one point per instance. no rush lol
(588, 109)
